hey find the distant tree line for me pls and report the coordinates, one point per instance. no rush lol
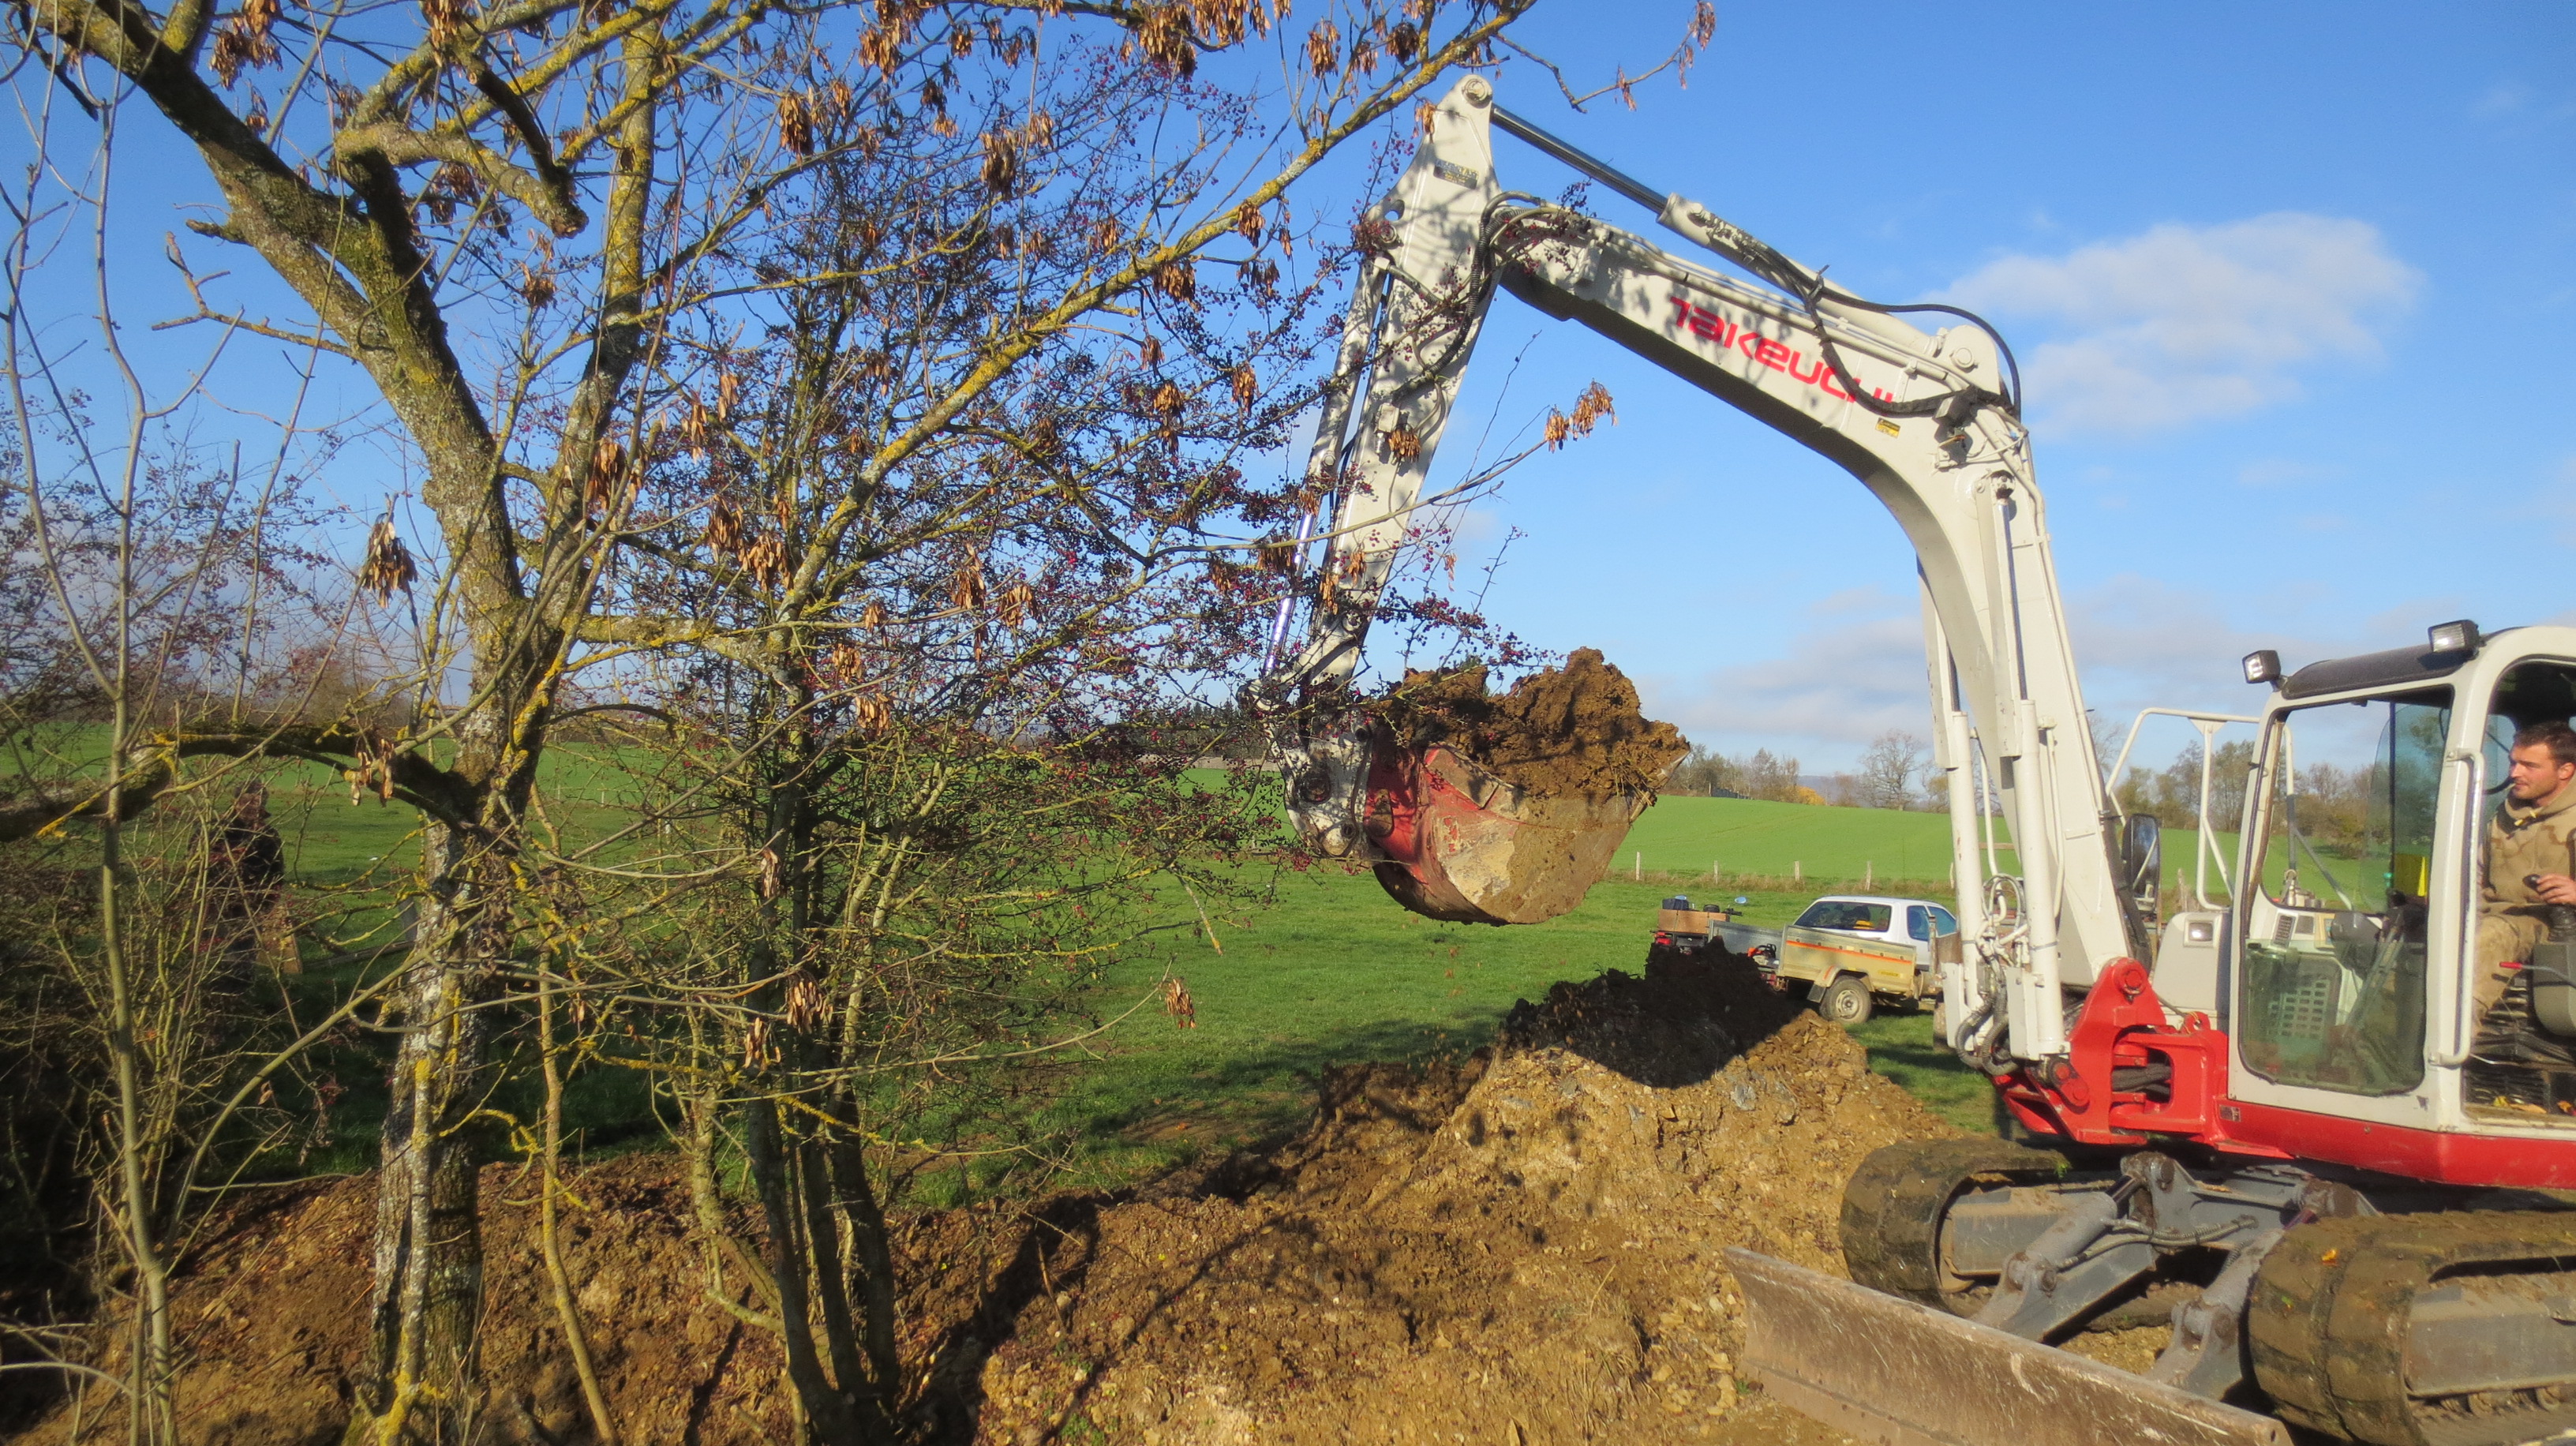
(1707, 773)
(2333, 802)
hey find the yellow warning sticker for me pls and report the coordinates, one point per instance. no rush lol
(1889, 427)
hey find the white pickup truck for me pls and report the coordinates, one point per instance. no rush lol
(1850, 950)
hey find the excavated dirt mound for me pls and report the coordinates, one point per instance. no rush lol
(1522, 1248)
(1571, 731)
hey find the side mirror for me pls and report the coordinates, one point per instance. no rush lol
(2142, 861)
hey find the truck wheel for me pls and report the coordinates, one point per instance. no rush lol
(1846, 1001)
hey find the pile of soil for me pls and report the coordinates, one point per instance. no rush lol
(1574, 731)
(1523, 1247)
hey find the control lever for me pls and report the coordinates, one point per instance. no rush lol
(2552, 968)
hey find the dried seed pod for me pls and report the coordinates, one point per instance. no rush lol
(804, 1004)
(536, 285)
(1163, 32)
(608, 480)
(697, 428)
(966, 592)
(1402, 444)
(1404, 42)
(1589, 409)
(388, 567)
(1222, 22)
(1015, 604)
(1178, 1004)
(1247, 221)
(869, 714)
(796, 122)
(1247, 386)
(447, 20)
(873, 616)
(1323, 48)
(1150, 351)
(1001, 163)
(765, 558)
(1178, 279)
(724, 530)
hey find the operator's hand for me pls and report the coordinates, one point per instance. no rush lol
(2556, 889)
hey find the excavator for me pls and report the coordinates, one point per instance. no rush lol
(2278, 1124)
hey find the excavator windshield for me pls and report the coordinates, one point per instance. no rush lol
(2334, 954)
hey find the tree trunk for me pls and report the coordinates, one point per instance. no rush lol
(423, 1372)
(422, 1382)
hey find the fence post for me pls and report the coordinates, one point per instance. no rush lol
(1638, 872)
(1868, 874)
(1797, 871)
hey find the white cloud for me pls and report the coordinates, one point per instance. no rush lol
(1855, 669)
(1853, 673)
(2502, 98)
(2185, 323)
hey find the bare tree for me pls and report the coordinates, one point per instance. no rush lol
(379, 167)
(1888, 768)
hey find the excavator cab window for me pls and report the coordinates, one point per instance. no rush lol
(2522, 1067)
(2334, 952)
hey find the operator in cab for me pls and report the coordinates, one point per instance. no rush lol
(2532, 837)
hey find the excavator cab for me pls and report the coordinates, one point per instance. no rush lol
(2367, 922)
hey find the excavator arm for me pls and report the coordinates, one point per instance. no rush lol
(1925, 421)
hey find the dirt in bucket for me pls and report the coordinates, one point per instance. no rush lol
(1523, 1246)
(1566, 732)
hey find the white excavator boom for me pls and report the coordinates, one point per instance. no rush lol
(1923, 420)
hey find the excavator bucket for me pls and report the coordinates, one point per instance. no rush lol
(1459, 843)
(1893, 1372)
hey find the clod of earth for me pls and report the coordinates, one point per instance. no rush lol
(1523, 1246)
(1574, 731)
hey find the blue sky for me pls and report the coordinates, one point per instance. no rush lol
(2289, 282)
(2292, 285)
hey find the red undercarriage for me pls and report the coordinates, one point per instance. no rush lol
(2122, 1025)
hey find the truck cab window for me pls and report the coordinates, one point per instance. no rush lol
(1846, 914)
(2334, 949)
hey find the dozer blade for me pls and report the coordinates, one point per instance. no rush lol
(1895, 1373)
(1459, 843)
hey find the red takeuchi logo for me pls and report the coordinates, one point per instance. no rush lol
(1779, 356)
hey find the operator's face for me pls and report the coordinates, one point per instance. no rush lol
(2537, 775)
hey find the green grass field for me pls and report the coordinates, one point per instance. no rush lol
(1826, 844)
(1332, 972)
(1321, 970)
(1833, 846)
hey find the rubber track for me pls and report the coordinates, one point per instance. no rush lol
(2328, 1320)
(1892, 1208)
